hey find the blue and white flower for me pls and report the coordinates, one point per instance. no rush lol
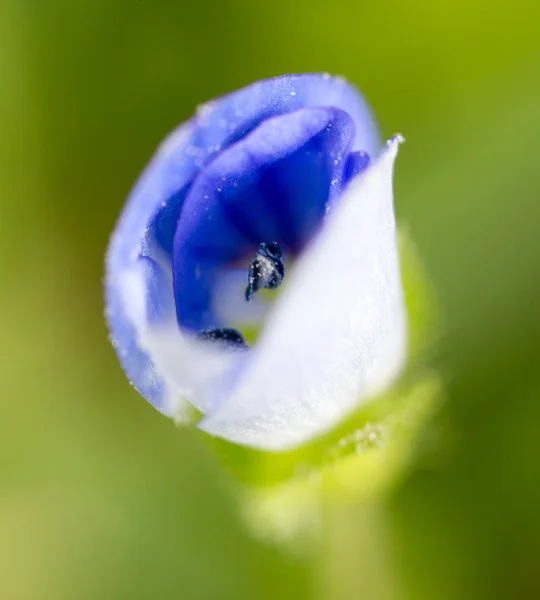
(280, 185)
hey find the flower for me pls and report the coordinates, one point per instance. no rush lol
(277, 185)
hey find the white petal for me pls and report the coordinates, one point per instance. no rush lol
(337, 334)
(229, 301)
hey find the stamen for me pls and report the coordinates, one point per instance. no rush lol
(266, 269)
(226, 337)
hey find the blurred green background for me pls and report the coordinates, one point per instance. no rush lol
(100, 496)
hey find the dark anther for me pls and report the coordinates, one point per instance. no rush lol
(226, 337)
(266, 269)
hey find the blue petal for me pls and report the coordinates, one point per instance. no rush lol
(224, 121)
(272, 185)
(357, 162)
(147, 224)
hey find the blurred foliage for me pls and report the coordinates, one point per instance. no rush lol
(100, 496)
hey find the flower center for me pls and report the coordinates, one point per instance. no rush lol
(266, 271)
(268, 192)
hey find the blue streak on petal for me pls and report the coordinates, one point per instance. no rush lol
(278, 179)
(357, 162)
(158, 296)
